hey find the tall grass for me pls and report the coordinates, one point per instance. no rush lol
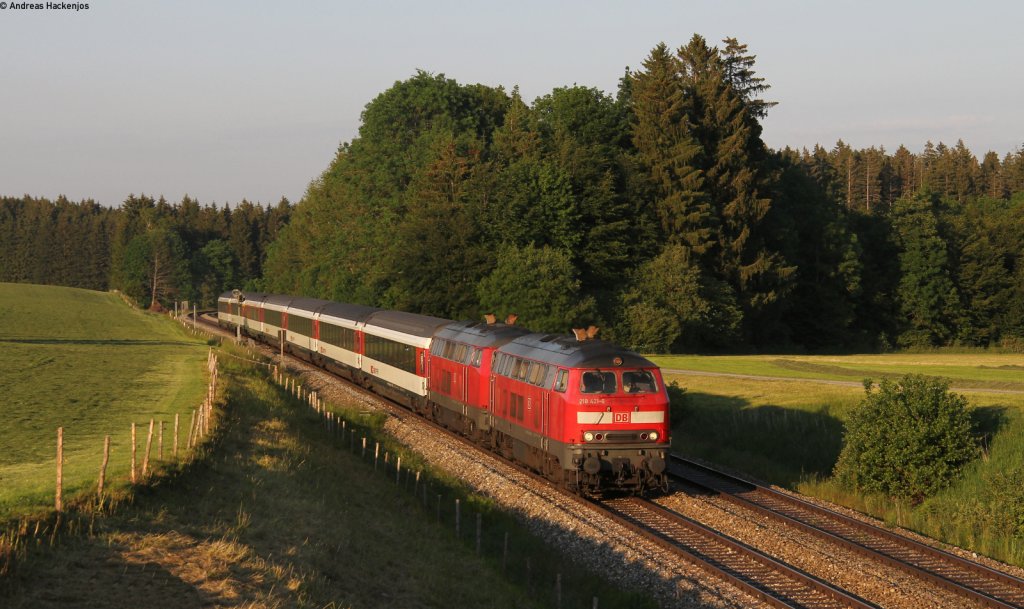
(84, 361)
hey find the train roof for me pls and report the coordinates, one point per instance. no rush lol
(307, 305)
(279, 300)
(246, 296)
(481, 334)
(407, 323)
(564, 350)
(352, 312)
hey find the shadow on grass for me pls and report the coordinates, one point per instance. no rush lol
(989, 421)
(112, 582)
(778, 445)
(104, 342)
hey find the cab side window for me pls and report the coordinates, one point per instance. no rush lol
(561, 381)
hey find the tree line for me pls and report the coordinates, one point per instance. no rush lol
(657, 213)
(660, 214)
(152, 250)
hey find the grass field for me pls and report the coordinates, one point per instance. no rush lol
(281, 514)
(787, 430)
(85, 361)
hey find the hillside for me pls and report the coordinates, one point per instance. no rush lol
(85, 361)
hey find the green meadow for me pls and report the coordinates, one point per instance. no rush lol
(786, 428)
(89, 363)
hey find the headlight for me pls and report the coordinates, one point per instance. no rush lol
(588, 436)
(654, 436)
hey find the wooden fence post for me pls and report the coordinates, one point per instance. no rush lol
(149, 447)
(458, 517)
(133, 453)
(59, 500)
(398, 470)
(175, 436)
(160, 450)
(103, 467)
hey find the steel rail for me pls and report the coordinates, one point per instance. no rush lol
(971, 580)
(763, 577)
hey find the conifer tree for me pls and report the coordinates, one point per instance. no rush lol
(927, 295)
(991, 176)
(739, 73)
(667, 149)
(736, 180)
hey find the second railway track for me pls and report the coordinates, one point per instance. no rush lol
(761, 576)
(968, 579)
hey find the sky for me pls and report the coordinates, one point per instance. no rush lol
(226, 100)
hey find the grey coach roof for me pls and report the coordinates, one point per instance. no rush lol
(352, 312)
(247, 296)
(408, 323)
(307, 305)
(280, 300)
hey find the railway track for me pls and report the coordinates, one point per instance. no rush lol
(757, 574)
(970, 580)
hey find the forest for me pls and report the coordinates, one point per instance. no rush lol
(656, 212)
(151, 250)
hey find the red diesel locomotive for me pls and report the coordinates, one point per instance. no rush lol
(585, 413)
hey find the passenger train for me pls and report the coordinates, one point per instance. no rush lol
(583, 412)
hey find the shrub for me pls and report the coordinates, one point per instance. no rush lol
(678, 403)
(906, 440)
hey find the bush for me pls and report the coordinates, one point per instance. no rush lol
(907, 440)
(678, 403)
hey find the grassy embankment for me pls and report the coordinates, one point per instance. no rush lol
(285, 514)
(85, 361)
(788, 431)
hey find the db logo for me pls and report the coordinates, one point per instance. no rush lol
(622, 417)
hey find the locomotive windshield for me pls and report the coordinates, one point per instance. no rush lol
(595, 381)
(638, 381)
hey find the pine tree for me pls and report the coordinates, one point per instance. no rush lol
(668, 151)
(991, 177)
(739, 73)
(928, 297)
(905, 178)
(736, 179)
